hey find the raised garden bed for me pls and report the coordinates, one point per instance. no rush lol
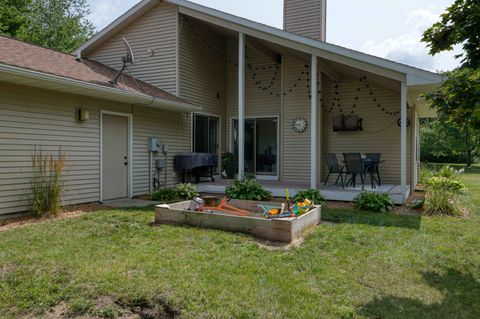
(283, 230)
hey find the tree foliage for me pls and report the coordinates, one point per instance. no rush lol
(460, 24)
(57, 24)
(13, 15)
(459, 96)
(446, 142)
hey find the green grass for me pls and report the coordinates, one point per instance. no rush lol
(359, 265)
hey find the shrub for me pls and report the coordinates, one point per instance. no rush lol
(164, 195)
(186, 191)
(46, 183)
(378, 202)
(311, 194)
(247, 189)
(442, 196)
(425, 173)
(180, 192)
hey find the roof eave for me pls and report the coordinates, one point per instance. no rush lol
(391, 69)
(126, 18)
(22, 76)
(413, 75)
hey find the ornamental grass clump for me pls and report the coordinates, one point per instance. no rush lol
(46, 185)
(442, 196)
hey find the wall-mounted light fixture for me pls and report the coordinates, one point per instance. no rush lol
(82, 115)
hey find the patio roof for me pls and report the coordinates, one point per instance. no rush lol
(331, 52)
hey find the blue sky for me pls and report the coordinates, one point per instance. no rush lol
(387, 28)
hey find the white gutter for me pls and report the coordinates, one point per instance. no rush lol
(23, 76)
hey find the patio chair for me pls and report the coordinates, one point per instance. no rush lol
(334, 168)
(374, 159)
(355, 166)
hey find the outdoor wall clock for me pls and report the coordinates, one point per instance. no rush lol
(299, 125)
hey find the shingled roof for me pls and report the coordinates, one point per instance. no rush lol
(36, 58)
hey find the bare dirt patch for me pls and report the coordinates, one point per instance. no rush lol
(69, 212)
(107, 307)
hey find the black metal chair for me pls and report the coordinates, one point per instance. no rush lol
(355, 166)
(334, 168)
(373, 160)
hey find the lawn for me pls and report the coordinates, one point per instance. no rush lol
(358, 264)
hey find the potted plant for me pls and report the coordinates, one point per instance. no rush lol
(229, 165)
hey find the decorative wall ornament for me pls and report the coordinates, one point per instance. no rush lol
(399, 122)
(300, 125)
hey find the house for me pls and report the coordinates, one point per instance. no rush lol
(205, 81)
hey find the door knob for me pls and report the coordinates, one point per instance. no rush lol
(126, 163)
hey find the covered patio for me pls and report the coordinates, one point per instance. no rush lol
(331, 191)
(275, 98)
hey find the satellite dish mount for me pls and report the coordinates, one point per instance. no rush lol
(128, 58)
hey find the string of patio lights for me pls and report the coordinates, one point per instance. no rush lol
(302, 81)
(363, 85)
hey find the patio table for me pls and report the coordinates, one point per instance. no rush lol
(368, 163)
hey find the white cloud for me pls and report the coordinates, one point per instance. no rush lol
(408, 47)
(105, 11)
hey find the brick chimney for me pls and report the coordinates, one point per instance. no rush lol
(306, 17)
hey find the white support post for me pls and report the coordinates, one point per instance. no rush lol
(403, 140)
(241, 105)
(313, 120)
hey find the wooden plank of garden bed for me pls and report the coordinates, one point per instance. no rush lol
(285, 230)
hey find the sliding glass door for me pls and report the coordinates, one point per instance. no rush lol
(205, 134)
(261, 145)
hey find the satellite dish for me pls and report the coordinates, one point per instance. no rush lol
(128, 58)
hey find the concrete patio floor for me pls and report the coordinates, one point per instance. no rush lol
(330, 191)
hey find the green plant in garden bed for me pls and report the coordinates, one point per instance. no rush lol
(164, 195)
(186, 191)
(247, 189)
(311, 194)
(377, 202)
(442, 196)
(180, 192)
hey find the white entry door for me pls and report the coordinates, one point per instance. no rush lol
(115, 156)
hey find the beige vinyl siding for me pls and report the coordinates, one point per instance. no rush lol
(381, 133)
(203, 70)
(32, 117)
(172, 128)
(306, 17)
(296, 146)
(155, 30)
(258, 103)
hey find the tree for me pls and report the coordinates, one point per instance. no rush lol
(459, 25)
(57, 24)
(13, 15)
(446, 142)
(459, 96)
